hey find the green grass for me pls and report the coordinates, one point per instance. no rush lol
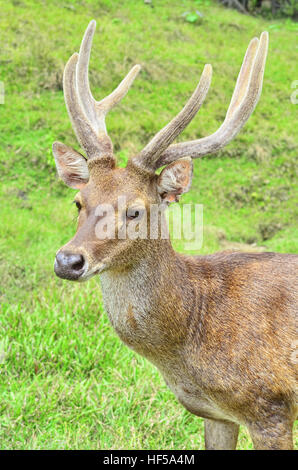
(66, 379)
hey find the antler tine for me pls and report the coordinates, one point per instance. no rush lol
(243, 77)
(86, 114)
(149, 155)
(84, 131)
(83, 86)
(105, 105)
(244, 100)
(97, 110)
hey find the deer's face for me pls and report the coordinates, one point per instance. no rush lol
(114, 211)
(104, 237)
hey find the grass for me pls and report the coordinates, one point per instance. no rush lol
(66, 379)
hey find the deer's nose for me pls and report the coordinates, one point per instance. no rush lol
(69, 265)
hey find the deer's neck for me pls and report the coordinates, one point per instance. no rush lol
(145, 302)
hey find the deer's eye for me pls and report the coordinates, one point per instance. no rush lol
(78, 204)
(132, 214)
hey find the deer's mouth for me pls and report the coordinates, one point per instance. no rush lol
(73, 269)
(89, 273)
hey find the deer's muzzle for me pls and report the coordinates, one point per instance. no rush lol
(69, 265)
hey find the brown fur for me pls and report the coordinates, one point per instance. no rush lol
(219, 327)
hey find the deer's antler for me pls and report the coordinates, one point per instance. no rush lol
(88, 115)
(245, 97)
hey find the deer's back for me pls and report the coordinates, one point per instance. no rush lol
(257, 287)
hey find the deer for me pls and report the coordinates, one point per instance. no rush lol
(220, 328)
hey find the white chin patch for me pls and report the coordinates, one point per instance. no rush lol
(89, 273)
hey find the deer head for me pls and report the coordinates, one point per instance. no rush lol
(101, 183)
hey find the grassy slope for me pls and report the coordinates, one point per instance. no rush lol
(66, 380)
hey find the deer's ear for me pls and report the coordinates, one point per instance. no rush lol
(175, 179)
(71, 166)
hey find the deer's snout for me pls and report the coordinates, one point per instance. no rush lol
(69, 265)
